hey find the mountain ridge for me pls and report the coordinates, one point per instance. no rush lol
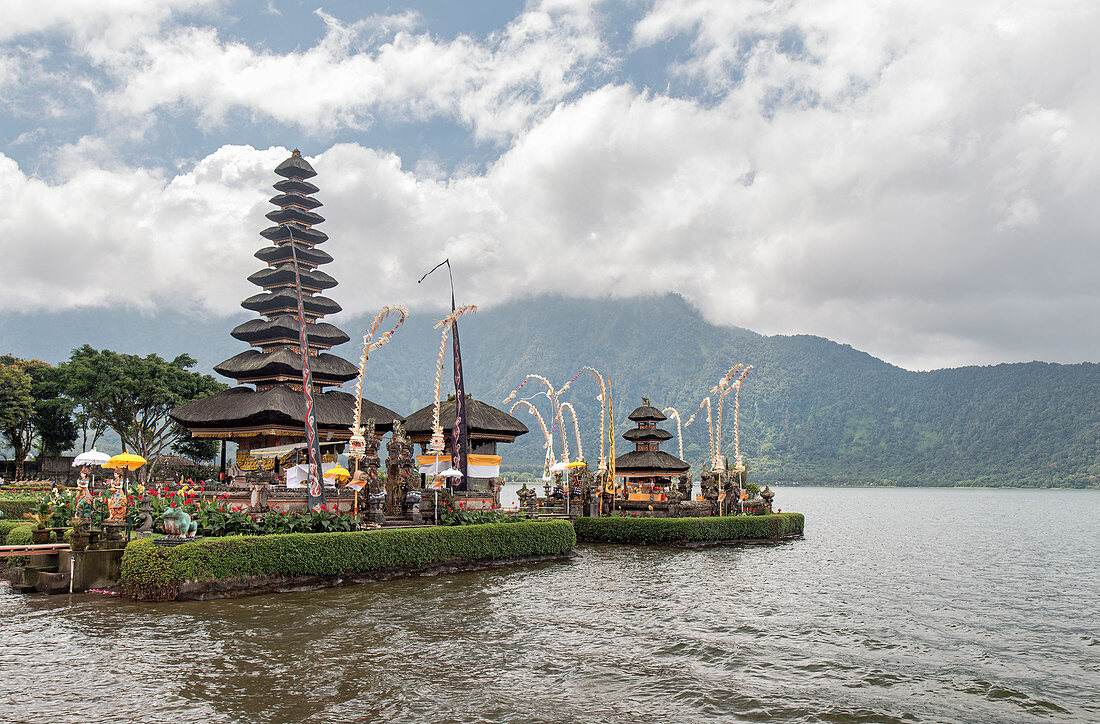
(813, 410)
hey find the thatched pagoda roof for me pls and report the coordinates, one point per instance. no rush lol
(284, 328)
(254, 365)
(295, 167)
(483, 422)
(647, 434)
(649, 462)
(281, 254)
(241, 408)
(646, 413)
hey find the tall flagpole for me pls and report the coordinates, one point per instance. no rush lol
(459, 438)
(315, 488)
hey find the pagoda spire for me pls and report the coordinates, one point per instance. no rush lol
(276, 358)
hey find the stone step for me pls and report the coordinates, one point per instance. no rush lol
(52, 583)
(23, 588)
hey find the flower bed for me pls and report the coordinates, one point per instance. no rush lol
(154, 573)
(646, 531)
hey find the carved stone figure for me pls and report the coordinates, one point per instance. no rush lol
(768, 495)
(178, 523)
(258, 500)
(401, 471)
(684, 485)
(526, 497)
(709, 482)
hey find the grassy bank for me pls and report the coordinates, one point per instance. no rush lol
(154, 573)
(646, 531)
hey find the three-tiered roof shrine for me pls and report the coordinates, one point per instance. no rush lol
(273, 412)
(647, 460)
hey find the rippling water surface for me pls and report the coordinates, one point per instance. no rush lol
(899, 605)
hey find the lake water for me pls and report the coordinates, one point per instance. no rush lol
(900, 605)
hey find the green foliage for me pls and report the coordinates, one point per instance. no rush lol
(150, 572)
(647, 531)
(133, 395)
(20, 535)
(7, 526)
(16, 508)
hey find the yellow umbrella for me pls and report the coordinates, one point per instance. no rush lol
(339, 472)
(125, 460)
(576, 464)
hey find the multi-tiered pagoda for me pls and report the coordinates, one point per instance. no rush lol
(273, 413)
(647, 470)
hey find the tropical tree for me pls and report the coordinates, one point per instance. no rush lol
(48, 422)
(133, 395)
(16, 411)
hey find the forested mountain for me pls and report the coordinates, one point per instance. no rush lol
(813, 411)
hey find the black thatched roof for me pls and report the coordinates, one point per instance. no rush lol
(650, 434)
(285, 327)
(279, 406)
(274, 301)
(295, 167)
(298, 232)
(284, 274)
(641, 462)
(281, 254)
(482, 420)
(295, 186)
(291, 213)
(253, 364)
(646, 413)
(295, 199)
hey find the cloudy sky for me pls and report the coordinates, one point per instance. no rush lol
(919, 180)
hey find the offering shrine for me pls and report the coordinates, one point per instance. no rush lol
(647, 472)
(271, 413)
(486, 426)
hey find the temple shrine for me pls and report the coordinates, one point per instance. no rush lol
(647, 472)
(486, 426)
(267, 420)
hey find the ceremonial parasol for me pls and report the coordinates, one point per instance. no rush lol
(92, 457)
(448, 473)
(576, 464)
(558, 468)
(339, 472)
(125, 460)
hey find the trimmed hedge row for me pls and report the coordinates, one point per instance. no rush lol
(155, 573)
(688, 530)
(19, 535)
(14, 508)
(7, 526)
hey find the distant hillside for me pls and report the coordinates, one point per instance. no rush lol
(813, 411)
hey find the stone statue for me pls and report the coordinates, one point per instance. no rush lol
(709, 482)
(401, 470)
(526, 497)
(258, 500)
(84, 504)
(674, 497)
(684, 485)
(178, 523)
(767, 494)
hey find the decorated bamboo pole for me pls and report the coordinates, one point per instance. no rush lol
(739, 465)
(710, 429)
(546, 436)
(576, 429)
(555, 405)
(435, 447)
(601, 464)
(672, 412)
(357, 444)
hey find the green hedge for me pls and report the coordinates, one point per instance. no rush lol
(151, 572)
(20, 535)
(14, 508)
(7, 526)
(687, 530)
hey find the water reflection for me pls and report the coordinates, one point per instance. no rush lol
(900, 605)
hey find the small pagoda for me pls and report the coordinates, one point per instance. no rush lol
(647, 471)
(272, 413)
(485, 427)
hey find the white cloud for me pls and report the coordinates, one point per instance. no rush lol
(914, 180)
(375, 66)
